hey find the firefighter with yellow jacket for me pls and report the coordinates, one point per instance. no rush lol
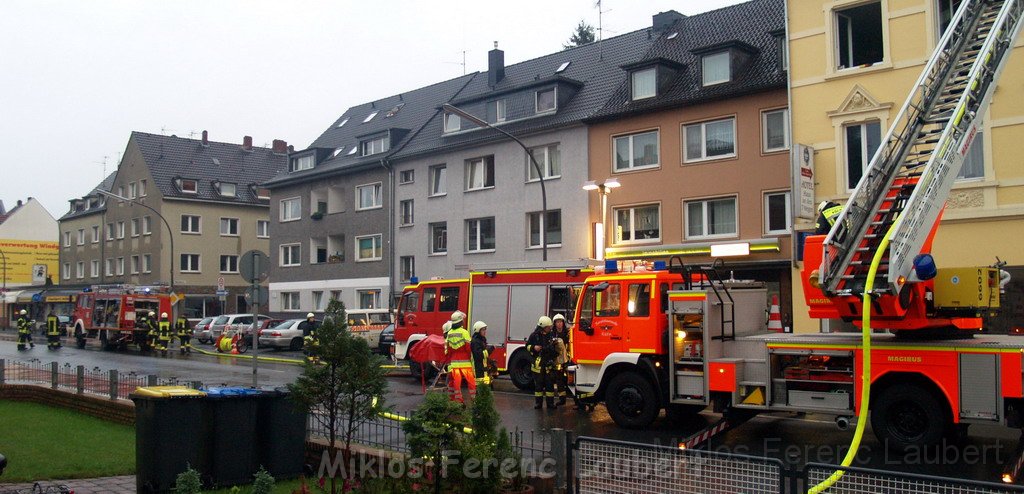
(163, 333)
(184, 334)
(482, 364)
(24, 330)
(52, 331)
(460, 358)
(543, 347)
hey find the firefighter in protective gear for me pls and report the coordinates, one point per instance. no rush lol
(145, 331)
(828, 211)
(163, 333)
(24, 330)
(184, 334)
(460, 359)
(309, 339)
(52, 331)
(481, 353)
(544, 350)
(561, 329)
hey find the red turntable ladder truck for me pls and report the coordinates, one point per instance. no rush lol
(677, 339)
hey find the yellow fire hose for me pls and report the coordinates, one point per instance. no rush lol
(279, 359)
(865, 390)
(399, 418)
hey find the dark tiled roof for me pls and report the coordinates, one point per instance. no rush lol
(756, 25)
(172, 157)
(106, 184)
(417, 107)
(595, 65)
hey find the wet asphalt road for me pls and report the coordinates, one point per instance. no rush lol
(794, 440)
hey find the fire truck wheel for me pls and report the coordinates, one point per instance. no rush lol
(519, 370)
(906, 415)
(631, 401)
(677, 414)
(416, 369)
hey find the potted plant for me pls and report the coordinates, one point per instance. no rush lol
(317, 215)
(336, 258)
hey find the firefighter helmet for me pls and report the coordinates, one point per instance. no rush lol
(163, 315)
(151, 313)
(23, 312)
(310, 315)
(447, 326)
(458, 316)
(558, 317)
(822, 205)
(477, 326)
(544, 322)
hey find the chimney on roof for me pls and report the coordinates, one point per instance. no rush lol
(206, 139)
(291, 149)
(247, 143)
(664, 20)
(279, 146)
(495, 66)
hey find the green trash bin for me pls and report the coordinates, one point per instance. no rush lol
(168, 435)
(281, 440)
(230, 414)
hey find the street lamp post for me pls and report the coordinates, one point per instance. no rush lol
(536, 166)
(603, 189)
(170, 233)
(3, 291)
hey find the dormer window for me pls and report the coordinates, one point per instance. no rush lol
(262, 194)
(227, 189)
(452, 122)
(715, 68)
(375, 145)
(644, 83)
(371, 115)
(352, 151)
(496, 111)
(337, 152)
(304, 162)
(189, 186)
(545, 100)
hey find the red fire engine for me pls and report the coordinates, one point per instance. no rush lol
(682, 339)
(509, 301)
(108, 313)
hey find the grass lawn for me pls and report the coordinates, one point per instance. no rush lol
(44, 442)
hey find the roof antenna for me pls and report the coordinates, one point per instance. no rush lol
(104, 163)
(600, 30)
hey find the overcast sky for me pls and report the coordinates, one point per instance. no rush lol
(76, 77)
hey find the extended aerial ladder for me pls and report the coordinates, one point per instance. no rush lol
(904, 189)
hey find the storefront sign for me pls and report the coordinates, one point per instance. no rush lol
(27, 262)
(803, 171)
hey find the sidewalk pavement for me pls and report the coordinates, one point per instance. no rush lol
(102, 485)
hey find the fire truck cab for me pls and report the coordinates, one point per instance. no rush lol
(108, 313)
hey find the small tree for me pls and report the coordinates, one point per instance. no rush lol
(482, 444)
(434, 429)
(347, 385)
(582, 35)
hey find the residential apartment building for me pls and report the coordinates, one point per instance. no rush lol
(468, 197)
(331, 209)
(190, 209)
(853, 64)
(697, 137)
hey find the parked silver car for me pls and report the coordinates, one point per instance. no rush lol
(285, 334)
(232, 322)
(202, 330)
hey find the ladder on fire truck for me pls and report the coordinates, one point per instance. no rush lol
(910, 175)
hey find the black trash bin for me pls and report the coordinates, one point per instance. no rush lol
(168, 435)
(281, 436)
(230, 414)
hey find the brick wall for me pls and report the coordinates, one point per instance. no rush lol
(121, 412)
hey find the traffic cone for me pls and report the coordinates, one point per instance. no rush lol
(234, 340)
(774, 316)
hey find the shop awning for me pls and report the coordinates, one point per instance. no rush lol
(26, 296)
(11, 296)
(57, 295)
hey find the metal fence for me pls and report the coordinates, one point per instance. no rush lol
(79, 379)
(861, 480)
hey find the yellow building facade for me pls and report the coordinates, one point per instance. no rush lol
(852, 65)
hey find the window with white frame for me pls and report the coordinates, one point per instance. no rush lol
(861, 142)
(120, 266)
(190, 263)
(336, 295)
(110, 231)
(439, 238)
(480, 173)
(67, 239)
(67, 271)
(406, 268)
(120, 190)
(545, 100)
(369, 196)
(228, 189)
(496, 111)
(147, 225)
(711, 218)
(189, 186)
(136, 264)
(300, 163)
(636, 151)
(375, 145)
(438, 180)
(136, 227)
(406, 210)
(229, 227)
(318, 300)
(120, 230)
(147, 263)
(371, 115)
(228, 264)
(132, 190)
(406, 177)
(548, 158)
(858, 35)
(774, 133)
(81, 236)
(95, 234)
(368, 248)
(291, 209)
(777, 213)
(710, 140)
(452, 122)
(290, 255)
(142, 188)
(637, 223)
(262, 193)
(974, 161)
(191, 223)
(94, 268)
(480, 235)
(551, 226)
(644, 83)
(715, 68)
(368, 299)
(80, 269)
(108, 267)
(289, 300)
(262, 229)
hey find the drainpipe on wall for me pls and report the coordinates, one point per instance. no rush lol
(391, 232)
